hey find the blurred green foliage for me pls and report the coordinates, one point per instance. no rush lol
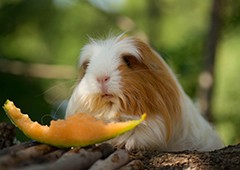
(53, 32)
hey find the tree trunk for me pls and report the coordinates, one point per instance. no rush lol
(206, 78)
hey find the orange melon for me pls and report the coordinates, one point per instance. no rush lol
(76, 130)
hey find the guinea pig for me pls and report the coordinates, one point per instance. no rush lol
(121, 78)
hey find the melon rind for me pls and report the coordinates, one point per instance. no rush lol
(79, 135)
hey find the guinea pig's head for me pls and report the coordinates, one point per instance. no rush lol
(123, 75)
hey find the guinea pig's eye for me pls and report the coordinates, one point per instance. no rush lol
(85, 65)
(129, 60)
(126, 61)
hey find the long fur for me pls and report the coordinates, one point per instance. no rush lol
(122, 78)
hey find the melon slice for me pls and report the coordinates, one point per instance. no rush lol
(77, 130)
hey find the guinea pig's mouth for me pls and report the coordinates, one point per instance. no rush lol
(107, 96)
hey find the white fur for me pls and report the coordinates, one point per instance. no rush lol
(193, 133)
(197, 133)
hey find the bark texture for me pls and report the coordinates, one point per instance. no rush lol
(36, 156)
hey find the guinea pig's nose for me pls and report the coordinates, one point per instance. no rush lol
(103, 79)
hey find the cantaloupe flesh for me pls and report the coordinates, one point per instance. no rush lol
(77, 130)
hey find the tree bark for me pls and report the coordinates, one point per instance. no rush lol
(206, 78)
(226, 158)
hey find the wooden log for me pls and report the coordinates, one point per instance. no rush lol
(14, 158)
(35, 156)
(75, 160)
(48, 158)
(114, 161)
(133, 165)
(17, 147)
(226, 158)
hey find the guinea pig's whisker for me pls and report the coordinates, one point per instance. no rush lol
(55, 115)
(58, 91)
(59, 84)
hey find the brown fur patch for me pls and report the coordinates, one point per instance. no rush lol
(148, 86)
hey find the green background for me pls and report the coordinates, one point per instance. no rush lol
(52, 32)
